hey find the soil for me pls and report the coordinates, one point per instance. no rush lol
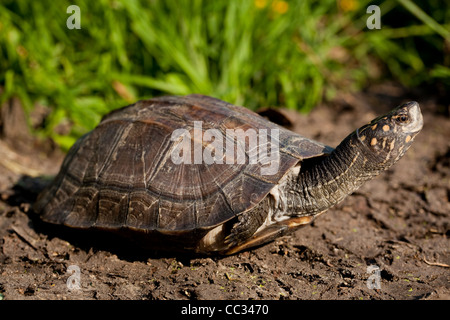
(398, 223)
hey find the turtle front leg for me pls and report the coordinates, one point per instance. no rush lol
(247, 224)
(256, 227)
(271, 232)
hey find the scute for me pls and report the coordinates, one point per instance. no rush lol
(120, 175)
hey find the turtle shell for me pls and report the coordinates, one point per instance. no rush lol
(121, 174)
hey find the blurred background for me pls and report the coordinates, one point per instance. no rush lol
(256, 53)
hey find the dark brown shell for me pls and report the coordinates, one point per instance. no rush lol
(120, 175)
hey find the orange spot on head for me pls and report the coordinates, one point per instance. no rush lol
(373, 141)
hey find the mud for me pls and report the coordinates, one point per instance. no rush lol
(398, 223)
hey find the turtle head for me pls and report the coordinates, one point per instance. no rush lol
(364, 154)
(386, 139)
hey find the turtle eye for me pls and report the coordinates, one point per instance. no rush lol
(402, 118)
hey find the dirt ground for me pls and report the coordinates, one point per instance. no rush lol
(398, 222)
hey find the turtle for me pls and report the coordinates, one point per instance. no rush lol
(197, 174)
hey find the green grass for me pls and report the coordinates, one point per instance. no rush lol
(251, 52)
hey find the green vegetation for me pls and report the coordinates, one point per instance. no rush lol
(252, 52)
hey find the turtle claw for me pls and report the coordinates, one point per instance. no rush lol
(232, 239)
